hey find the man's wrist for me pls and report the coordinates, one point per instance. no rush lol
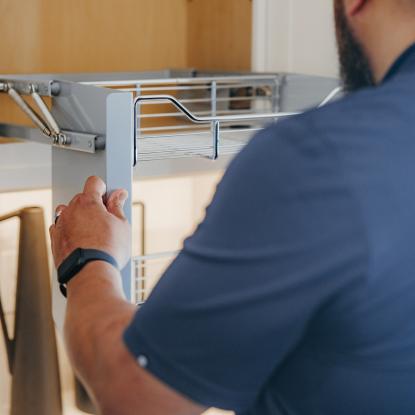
(94, 275)
(77, 260)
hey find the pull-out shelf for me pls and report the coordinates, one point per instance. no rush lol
(176, 114)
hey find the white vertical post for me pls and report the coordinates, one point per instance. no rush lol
(106, 113)
(119, 160)
(215, 125)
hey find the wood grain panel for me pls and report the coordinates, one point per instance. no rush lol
(127, 35)
(92, 35)
(219, 34)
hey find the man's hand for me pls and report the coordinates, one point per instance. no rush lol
(90, 224)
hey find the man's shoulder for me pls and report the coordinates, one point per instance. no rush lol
(301, 145)
(347, 116)
(284, 153)
(365, 110)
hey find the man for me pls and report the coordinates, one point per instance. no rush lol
(296, 295)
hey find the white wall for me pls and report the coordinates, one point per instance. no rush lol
(294, 36)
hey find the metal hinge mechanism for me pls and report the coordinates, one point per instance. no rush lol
(45, 122)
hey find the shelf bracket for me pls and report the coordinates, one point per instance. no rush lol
(48, 130)
(86, 143)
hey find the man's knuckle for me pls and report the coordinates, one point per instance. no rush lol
(82, 200)
(78, 196)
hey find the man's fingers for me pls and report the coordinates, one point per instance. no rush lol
(58, 211)
(95, 185)
(116, 201)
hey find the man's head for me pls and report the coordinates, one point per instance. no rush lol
(371, 34)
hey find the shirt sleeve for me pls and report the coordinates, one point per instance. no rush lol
(279, 239)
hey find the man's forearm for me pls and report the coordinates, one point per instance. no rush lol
(97, 313)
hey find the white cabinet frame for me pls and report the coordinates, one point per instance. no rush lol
(294, 36)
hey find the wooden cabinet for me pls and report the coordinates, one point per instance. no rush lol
(124, 35)
(54, 36)
(219, 34)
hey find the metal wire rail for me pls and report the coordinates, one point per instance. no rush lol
(177, 148)
(233, 102)
(178, 81)
(173, 135)
(147, 269)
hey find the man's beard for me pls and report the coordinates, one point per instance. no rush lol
(355, 69)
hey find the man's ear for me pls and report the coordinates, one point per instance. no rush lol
(354, 7)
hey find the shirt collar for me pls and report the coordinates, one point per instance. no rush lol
(404, 63)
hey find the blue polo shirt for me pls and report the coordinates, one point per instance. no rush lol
(296, 294)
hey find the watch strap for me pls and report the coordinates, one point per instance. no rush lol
(77, 260)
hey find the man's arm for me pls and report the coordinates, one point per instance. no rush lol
(97, 312)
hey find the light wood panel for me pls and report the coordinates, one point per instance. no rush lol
(92, 35)
(219, 34)
(124, 35)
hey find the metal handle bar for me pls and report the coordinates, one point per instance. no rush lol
(214, 120)
(181, 81)
(207, 120)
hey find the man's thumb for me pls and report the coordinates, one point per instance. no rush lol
(116, 201)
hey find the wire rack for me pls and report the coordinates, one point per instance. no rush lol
(205, 116)
(147, 270)
(175, 114)
(194, 117)
(198, 117)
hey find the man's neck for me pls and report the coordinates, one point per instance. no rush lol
(385, 44)
(383, 63)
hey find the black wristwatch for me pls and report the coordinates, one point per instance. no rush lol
(74, 263)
